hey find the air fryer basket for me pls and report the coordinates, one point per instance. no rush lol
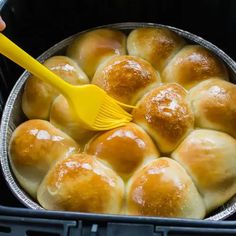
(13, 115)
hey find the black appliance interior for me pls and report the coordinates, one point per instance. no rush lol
(37, 25)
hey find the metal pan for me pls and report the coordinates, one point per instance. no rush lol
(13, 115)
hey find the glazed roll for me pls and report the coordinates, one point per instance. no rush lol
(214, 104)
(163, 188)
(157, 46)
(82, 183)
(91, 49)
(210, 159)
(124, 149)
(126, 78)
(193, 64)
(63, 118)
(166, 115)
(34, 147)
(38, 95)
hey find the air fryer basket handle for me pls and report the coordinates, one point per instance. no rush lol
(20, 221)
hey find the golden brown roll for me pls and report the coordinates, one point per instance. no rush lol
(82, 183)
(210, 159)
(67, 69)
(90, 49)
(38, 95)
(62, 118)
(124, 149)
(126, 78)
(165, 114)
(34, 147)
(157, 46)
(163, 188)
(214, 104)
(193, 64)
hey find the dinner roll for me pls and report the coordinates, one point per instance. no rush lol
(126, 78)
(214, 104)
(67, 69)
(81, 183)
(34, 147)
(154, 45)
(38, 95)
(63, 118)
(193, 64)
(125, 148)
(163, 188)
(210, 159)
(90, 49)
(165, 114)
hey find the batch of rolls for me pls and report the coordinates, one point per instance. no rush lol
(176, 159)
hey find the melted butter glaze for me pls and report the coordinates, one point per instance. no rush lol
(37, 142)
(81, 183)
(35, 146)
(63, 67)
(166, 112)
(158, 189)
(123, 148)
(67, 69)
(80, 166)
(123, 77)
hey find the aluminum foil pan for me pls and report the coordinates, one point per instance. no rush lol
(13, 115)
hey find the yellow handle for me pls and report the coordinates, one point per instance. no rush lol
(23, 59)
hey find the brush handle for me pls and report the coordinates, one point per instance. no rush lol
(23, 59)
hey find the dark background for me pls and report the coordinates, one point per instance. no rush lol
(35, 25)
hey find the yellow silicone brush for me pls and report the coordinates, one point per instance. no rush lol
(93, 107)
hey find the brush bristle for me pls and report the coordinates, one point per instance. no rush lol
(111, 115)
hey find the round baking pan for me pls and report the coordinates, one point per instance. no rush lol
(13, 115)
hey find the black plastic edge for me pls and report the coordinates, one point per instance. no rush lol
(101, 218)
(35, 223)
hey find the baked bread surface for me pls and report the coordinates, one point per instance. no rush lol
(176, 159)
